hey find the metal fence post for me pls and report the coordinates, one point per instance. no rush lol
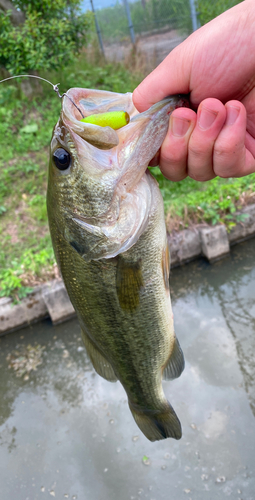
(193, 14)
(130, 24)
(97, 29)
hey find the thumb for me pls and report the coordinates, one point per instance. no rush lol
(172, 76)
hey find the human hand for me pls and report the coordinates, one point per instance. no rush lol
(216, 65)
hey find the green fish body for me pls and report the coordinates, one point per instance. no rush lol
(107, 225)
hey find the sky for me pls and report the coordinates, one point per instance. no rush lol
(101, 4)
(98, 4)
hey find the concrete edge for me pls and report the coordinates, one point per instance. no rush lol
(48, 300)
(212, 242)
(51, 299)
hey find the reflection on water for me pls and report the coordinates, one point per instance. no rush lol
(61, 367)
(231, 284)
(67, 433)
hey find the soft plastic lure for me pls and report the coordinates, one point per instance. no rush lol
(113, 119)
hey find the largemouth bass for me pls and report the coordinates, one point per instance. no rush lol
(108, 231)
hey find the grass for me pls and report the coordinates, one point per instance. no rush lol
(217, 201)
(26, 255)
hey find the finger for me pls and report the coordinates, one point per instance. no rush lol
(250, 143)
(211, 117)
(231, 157)
(249, 104)
(203, 65)
(174, 150)
(172, 76)
(155, 160)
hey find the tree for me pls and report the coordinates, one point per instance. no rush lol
(207, 9)
(41, 34)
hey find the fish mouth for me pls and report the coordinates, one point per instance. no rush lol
(78, 103)
(88, 102)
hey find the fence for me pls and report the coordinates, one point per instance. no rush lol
(119, 24)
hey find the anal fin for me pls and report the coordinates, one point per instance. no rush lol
(175, 364)
(98, 360)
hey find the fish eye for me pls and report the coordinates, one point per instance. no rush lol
(62, 159)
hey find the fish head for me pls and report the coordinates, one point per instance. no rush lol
(98, 194)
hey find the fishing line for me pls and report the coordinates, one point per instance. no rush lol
(55, 87)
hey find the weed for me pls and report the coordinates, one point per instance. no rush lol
(26, 254)
(216, 201)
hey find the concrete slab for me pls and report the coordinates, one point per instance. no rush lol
(214, 242)
(244, 229)
(184, 246)
(29, 310)
(57, 302)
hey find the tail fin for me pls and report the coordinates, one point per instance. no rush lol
(157, 424)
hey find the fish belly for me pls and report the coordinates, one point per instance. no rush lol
(124, 309)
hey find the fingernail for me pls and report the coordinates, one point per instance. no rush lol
(206, 118)
(180, 126)
(232, 115)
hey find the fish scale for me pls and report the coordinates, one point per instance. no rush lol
(122, 302)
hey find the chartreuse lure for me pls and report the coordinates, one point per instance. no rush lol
(113, 119)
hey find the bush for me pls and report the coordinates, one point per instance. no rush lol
(207, 9)
(46, 39)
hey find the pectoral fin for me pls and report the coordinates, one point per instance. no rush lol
(175, 364)
(100, 363)
(129, 282)
(166, 265)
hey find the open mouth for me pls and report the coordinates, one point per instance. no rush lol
(79, 105)
(98, 101)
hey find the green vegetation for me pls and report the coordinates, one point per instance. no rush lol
(26, 255)
(217, 201)
(25, 242)
(36, 36)
(146, 16)
(207, 9)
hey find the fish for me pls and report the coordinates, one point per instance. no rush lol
(106, 219)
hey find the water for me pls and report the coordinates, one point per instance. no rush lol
(67, 433)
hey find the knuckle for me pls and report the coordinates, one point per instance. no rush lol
(224, 150)
(227, 156)
(198, 150)
(174, 176)
(228, 146)
(176, 157)
(227, 161)
(173, 170)
(202, 176)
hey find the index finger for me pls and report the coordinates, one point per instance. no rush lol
(170, 77)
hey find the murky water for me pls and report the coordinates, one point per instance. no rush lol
(67, 433)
